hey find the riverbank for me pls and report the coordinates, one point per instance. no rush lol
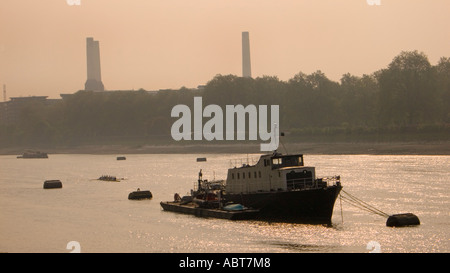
(391, 148)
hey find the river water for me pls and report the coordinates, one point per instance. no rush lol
(99, 217)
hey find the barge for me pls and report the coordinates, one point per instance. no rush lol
(195, 209)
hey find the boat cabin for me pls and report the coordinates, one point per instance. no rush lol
(272, 172)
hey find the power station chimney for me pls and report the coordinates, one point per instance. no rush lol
(94, 77)
(246, 66)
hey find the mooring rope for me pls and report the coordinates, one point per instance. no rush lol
(356, 202)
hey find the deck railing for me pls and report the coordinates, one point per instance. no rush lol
(308, 183)
(331, 180)
(241, 162)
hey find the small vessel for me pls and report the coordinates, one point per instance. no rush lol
(52, 184)
(194, 209)
(206, 201)
(121, 158)
(109, 178)
(33, 154)
(138, 195)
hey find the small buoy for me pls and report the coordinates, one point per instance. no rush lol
(136, 195)
(401, 220)
(52, 184)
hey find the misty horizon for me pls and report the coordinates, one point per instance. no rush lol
(157, 45)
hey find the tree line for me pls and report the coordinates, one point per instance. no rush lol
(409, 99)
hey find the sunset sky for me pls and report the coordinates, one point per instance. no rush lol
(160, 44)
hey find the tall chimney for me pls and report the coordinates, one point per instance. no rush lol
(94, 78)
(246, 67)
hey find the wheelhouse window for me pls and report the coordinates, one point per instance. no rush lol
(287, 161)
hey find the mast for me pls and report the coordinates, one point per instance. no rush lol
(200, 179)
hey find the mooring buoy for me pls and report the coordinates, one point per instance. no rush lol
(52, 184)
(394, 220)
(136, 195)
(402, 219)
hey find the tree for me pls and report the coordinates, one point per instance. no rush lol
(443, 88)
(358, 99)
(407, 94)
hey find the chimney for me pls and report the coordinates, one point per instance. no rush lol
(246, 66)
(94, 78)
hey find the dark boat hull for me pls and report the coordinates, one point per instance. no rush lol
(313, 206)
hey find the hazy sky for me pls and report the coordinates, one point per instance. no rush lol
(159, 44)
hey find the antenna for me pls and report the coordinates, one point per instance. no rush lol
(282, 135)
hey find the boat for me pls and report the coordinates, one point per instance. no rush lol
(283, 189)
(121, 158)
(194, 209)
(206, 201)
(278, 186)
(33, 154)
(109, 178)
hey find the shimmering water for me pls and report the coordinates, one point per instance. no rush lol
(100, 217)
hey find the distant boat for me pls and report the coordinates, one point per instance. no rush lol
(109, 178)
(121, 158)
(33, 154)
(201, 159)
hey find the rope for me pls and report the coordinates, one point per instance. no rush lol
(354, 201)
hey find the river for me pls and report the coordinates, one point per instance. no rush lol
(98, 216)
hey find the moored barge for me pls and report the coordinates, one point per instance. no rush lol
(195, 209)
